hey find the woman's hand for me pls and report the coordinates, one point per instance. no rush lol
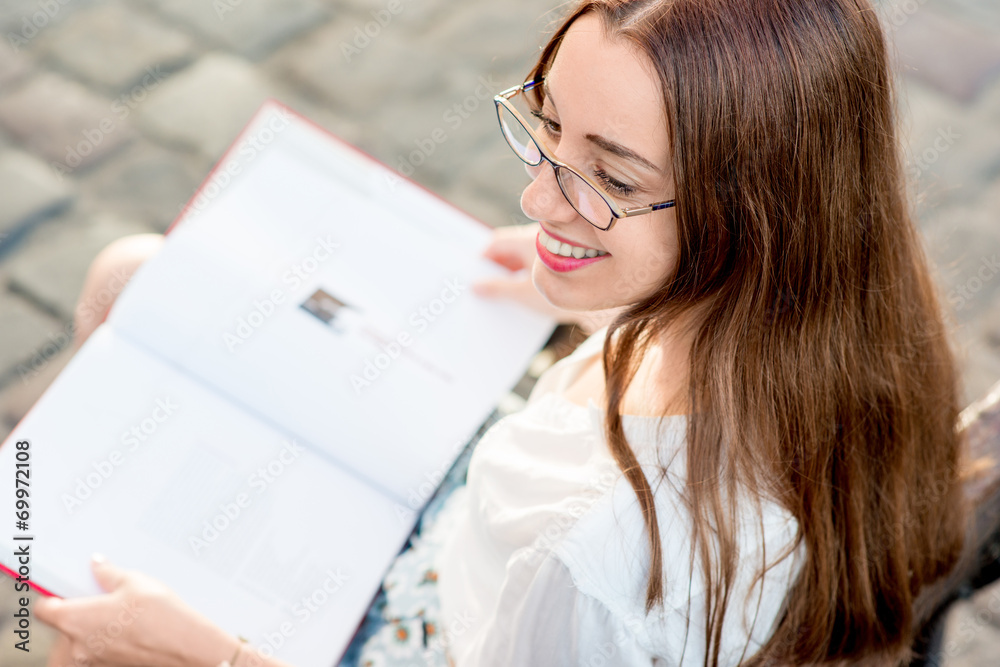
(139, 621)
(514, 247)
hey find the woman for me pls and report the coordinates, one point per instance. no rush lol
(755, 462)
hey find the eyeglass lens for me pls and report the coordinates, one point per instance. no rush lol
(584, 199)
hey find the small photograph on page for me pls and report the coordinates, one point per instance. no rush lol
(330, 310)
(350, 321)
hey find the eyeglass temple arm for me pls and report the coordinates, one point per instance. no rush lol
(647, 209)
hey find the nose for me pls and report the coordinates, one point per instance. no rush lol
(542, 199)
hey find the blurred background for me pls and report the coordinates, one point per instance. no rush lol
(113, 111)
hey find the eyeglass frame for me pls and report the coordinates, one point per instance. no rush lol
(617, 212)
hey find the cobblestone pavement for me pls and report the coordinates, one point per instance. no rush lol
(112, 112)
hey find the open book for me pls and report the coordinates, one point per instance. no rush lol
(274, 396)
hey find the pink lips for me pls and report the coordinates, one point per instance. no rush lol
(558, 262)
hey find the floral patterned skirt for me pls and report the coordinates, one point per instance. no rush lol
(411, 633)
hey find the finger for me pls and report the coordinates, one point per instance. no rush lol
(108, 576)
(68, 616)
(512, 247)
(48, 610)
(506, 255)
(501, 287)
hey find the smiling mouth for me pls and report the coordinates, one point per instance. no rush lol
(563, 249)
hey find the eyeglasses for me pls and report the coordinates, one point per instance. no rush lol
(585, 196)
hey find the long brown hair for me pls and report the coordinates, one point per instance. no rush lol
(820, 370)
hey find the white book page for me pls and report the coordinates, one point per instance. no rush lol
(132, 459)
(340, 307)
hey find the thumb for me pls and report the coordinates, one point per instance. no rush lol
(108, 576)
(506, 255)
(46, 610)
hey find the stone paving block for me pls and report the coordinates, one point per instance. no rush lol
(116, 46)
(951, 149)
(25, 329)
(28, 189)
(53, 262)
(65, 122)
(459, 127)
(25, 383)
(987, 109)
(971, 638)
(991, 326)
(489, 37)
(23, 21)
(145, 183)
(15, 12)
(254, 28)
(372, 18)
(984, 13)
(955, 57)
(482, 207)
(204, 107)
(14, 63)
(391, 70)
(495, 169)
(979, 363)
(965, 249)
(414, 139)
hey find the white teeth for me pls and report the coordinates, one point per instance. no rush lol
(566, 250)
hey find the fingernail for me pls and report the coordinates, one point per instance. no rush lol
(98, 558)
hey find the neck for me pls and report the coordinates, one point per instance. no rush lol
(660, 386)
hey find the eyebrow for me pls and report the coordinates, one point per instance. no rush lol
(611, 146)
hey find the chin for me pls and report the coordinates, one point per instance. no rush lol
(562, 291)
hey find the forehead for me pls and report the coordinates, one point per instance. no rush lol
(605, 85)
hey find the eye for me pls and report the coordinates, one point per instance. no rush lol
(551, 127)
(613, 185)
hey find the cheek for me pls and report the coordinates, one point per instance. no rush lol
(640, 274)
(642, 263)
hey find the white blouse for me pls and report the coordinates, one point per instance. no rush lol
(545, 560)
